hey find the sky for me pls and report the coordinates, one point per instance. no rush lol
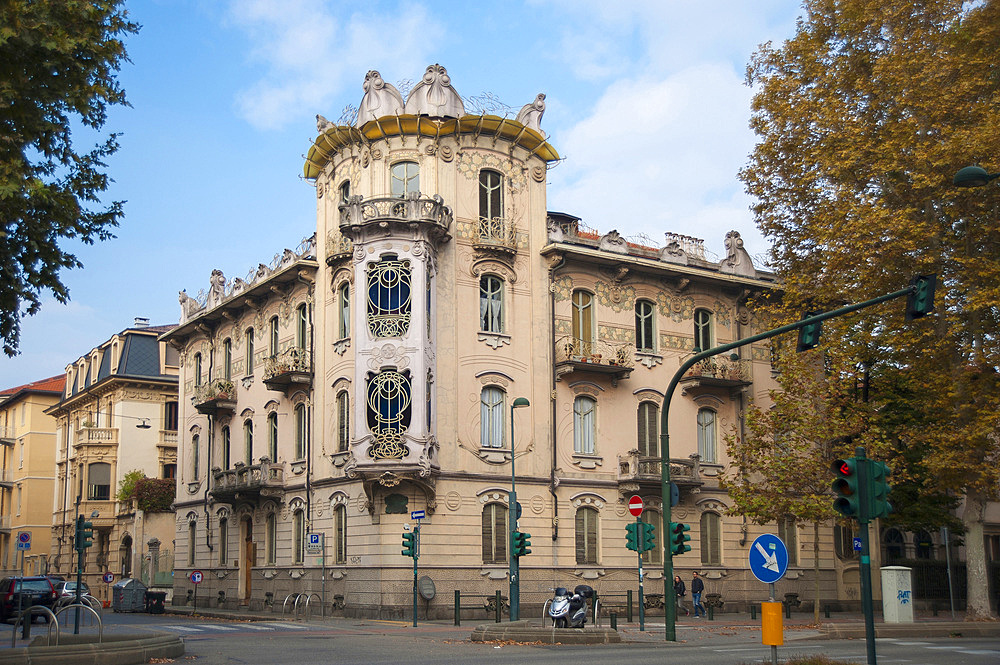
(646, 102)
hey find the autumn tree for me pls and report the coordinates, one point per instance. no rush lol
(58, 63)
(862, 118)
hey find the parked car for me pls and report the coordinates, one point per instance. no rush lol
(23, 592)
(66, 589)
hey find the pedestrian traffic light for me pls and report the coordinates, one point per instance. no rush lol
(84, 533)
(679, 538)
(522, 543)
(410, 545)
(920, 300)
(845, 485)
(632, 536)
(648, 536)
(878, 474)
(809, 334)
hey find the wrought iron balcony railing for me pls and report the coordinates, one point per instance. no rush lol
(359, 213)
(214, 396)
(496, 234)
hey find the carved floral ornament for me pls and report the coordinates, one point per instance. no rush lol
(588, 500)
(493, 496)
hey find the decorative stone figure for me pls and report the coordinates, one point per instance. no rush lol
(434, 96)
(531, 114)
(380, 99)
(188, 305)
(217, 288)
(737, 261)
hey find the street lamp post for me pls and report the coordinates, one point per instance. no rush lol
(515, 583)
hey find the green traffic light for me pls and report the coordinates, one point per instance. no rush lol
(679, 538)
(845, 485)
(809, 334)
(648, 536)
(920, 300)
(522, 543)
(410, 545)
(632, 536)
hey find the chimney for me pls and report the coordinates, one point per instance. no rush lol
(141, 322)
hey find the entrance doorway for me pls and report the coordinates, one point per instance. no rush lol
(248, 559)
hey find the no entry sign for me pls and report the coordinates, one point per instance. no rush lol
(635, 505)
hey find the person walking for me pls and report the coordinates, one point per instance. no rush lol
(680, 589)
(697, 588)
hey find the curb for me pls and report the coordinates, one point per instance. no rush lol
(923, 629)
(522, 631)
(114, 650)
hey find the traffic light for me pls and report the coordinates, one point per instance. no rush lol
(648, 536)
(522, 543)
(632, 536)
(678, 538)
(809, 334)
(920, 300)
(410, 545)
(845, 485)
(84, 534)
(878, 473)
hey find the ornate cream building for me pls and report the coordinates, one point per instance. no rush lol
(372, 372)
(118, 414)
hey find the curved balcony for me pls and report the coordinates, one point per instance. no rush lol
(496, 235)
(292, 368)
(216, 396)
(716, 375)
(245, 483)
(641, 473)
(338, 249)
(380, 213)
(599, 357)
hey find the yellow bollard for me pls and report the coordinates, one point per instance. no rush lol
(771, 624)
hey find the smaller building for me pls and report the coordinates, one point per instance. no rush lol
(27, 452)
(117, 415)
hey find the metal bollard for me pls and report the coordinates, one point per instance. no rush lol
(753, 611)
(788, 610)
(711, 613)
(826, 611)
(499, 606)
(458, 607)
(628, 606)
(614, 621)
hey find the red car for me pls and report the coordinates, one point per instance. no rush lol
(23, 592)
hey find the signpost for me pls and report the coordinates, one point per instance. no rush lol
(316, 544)
(108, 579)
(196, 578)
(768, 563)
(635, 507)
(415, 515)
(23, 541)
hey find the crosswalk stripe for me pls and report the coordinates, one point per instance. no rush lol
(213, 626)
(290, 626)
(184, 628)
(251, 626)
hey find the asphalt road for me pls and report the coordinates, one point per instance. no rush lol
(371, 642)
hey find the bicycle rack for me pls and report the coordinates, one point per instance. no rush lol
(294, 597)
(305, 609)
(100, 622)
(545, 610)
(31, 617)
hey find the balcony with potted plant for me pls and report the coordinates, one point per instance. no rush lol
(614, 360)
(717, 375)
(216, 396)
(291, 368)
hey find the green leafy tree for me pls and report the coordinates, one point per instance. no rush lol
(127, 485)
(863, 117)
(58, 62)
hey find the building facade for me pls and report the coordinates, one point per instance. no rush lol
(383, 367)
(28, 448)
(117, 415)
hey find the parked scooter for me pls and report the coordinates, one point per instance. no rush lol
(570, 610)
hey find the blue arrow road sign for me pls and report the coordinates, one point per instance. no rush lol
(768, 558)
(416, 514)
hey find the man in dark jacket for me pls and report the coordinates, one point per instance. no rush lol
(697, 588)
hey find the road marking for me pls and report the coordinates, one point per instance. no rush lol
(184, 628)
(289, 626)
(250, 626)
(978, 652)
(911, 644)
(213, 626)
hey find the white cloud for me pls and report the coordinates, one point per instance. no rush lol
(312, 52)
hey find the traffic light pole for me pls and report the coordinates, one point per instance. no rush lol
(79, 571)
(864, 507)
(639, 550)
(416, 553)
(670, 614)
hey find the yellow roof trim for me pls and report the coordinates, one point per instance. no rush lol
(340, 136)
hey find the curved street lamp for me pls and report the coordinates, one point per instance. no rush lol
(515, 583)
(973, 176)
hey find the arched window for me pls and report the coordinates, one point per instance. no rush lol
(389, 409)
(223, 541)
(404, 178)
(197, 369)
(706, 436)
(711, 539)
(298, 536)
(843, 541)
(645, 339)
(343, 421)
(389, 297)
(249, 357)
(271, 534)
(344, 295)
(648, 418)
(272, 436)
(703, 330)
(99, 481)
(272, 336)
(227, 359)
(302, 326)
(893, 544)
(491, 304)
(224, 450)
(340, 534)
(586, 535)
(490, 195)
(491, 414)
(195, 456)
(655, 555)
(584, 409)
(495, 533)
(301, 431)
(790, 537)
(344, 191)
(583, 323)
(248, 442)
(923, 545)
